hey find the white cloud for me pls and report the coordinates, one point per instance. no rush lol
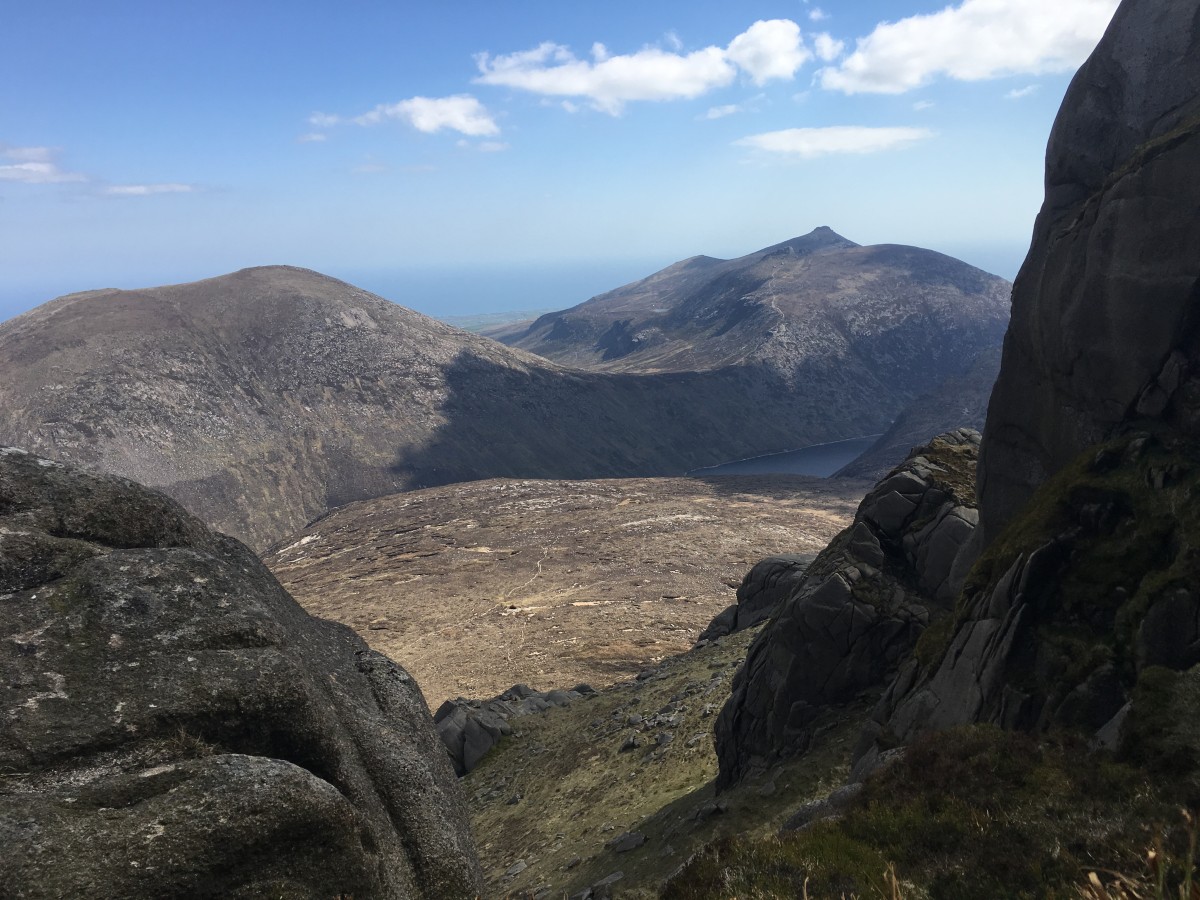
(673, 41)
(33, 165)
(720, 112)
(608, 81)
(1018, 93)
(768, 50)
(921, 105)
(828, 49)
(462, 113)
(312, 137)
(818, 15)
(765, 51)
(808, 143)
(323, 120)
(144, 190)
(972, 41)
(369, 168)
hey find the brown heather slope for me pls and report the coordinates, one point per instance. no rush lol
(263, 399)
(478, 586)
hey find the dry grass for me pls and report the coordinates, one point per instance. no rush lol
(1167, 874)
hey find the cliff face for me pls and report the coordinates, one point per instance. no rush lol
(1079, 584)
(1104, 319)
(173, 724)
(1087, 575)
(858, 610)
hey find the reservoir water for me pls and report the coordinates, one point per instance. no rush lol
(820, 459)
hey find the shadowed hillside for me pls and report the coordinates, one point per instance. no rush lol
(265, 398)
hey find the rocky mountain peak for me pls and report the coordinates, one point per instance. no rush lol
(820, 238)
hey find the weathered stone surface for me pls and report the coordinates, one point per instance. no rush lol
(175, 725)
(470, 728)
(1103, 327)
(858, 610)
(765, 586)
(1103, 347)
(1091, 587)
(1170, 633)
(830, 807)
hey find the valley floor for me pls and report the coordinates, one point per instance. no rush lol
(474, 587)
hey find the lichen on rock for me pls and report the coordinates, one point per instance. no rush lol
(174, 724)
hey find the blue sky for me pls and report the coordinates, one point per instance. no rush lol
(488, 155)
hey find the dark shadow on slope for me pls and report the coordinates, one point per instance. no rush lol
(547, 423)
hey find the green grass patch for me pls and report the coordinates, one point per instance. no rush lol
(974, 813)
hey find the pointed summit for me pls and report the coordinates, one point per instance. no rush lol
(821, 238)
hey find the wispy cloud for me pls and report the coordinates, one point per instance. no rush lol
(922, 105)
(720, 112)
(34, 165)
(145, 190)
(809, 143)
(484, 146)
(766, 51)
(461, 112)
(323, 120)
(313, 137)
(1018, 93)
(818, 15)
(972, 41)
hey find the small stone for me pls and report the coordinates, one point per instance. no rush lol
(630, 840)
(516, 869)
(630, 743)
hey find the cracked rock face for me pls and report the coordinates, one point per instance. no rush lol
(1104, 313)
(173, 724)
(1089, 448)
(769, 583)
(858, 610)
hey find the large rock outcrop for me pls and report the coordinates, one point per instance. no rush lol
(1104, 315)
(470, 728)
(858, 611)
(763, 589)
(173, 724)
(1085, 570)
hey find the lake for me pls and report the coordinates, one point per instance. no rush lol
(820, 459)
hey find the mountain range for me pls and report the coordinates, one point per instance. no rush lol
(265, 398)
